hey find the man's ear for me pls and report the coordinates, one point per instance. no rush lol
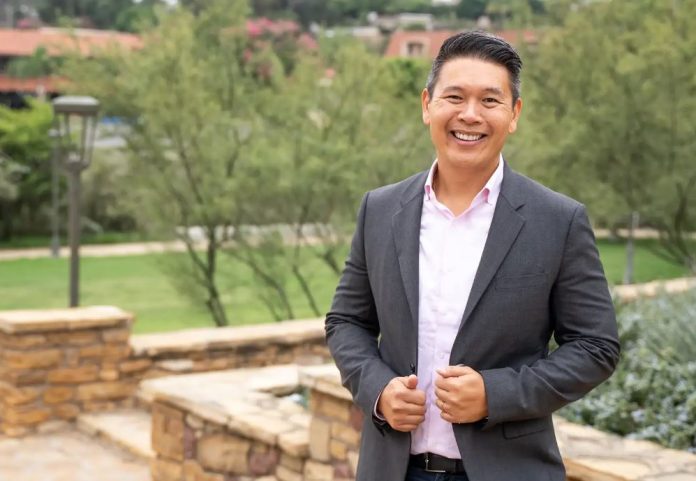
(516, 111)
(425, 101)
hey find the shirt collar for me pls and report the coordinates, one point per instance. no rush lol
(490, 191)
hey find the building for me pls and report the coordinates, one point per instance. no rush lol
(426, 44)
(23, 43)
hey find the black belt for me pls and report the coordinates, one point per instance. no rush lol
(434, 463)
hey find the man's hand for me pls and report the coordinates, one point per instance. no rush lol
(401, 404)
(461, 395)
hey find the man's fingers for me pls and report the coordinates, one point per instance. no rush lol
(405, 409)
(454, 371)
(448, 417)
(443, 395)
(443, 383)
(405, 428)
(412, 397)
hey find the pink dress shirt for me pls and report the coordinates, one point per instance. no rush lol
(450, 252)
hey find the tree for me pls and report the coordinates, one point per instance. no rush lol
(611, 115)
(39, 64)
(25, 152)
(187, 95)
(344, 125)
(127, 15)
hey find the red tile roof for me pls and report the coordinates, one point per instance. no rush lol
(22, 43)
(433, 40)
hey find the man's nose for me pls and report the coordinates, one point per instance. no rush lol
(470, 112)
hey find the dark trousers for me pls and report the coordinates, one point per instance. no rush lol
(418, 474)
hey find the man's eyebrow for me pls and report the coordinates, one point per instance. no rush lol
(494, 90)
(490, 90)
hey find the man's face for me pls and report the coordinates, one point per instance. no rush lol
(471, 113)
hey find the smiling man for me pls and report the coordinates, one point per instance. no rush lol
(456, 280)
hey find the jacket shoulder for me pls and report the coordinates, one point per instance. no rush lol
(403, 190)
(542, 198)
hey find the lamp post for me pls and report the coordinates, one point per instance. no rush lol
(75, 116)
(55, 194)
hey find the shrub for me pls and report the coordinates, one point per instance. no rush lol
(652, 394)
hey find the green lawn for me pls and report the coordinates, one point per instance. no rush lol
(139, 284)
(647, 267)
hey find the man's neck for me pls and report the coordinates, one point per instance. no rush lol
(456, 188)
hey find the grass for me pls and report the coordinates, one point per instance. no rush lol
(140, 284)
(647, 265)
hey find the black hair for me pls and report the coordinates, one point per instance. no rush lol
(480, 45)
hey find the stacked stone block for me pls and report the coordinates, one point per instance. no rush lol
(334, 433)
(57, 364)
(240, 428)
(189, 448)
(215, 349)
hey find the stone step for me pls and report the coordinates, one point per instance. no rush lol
(127, 428)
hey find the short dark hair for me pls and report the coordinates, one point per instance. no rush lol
(480, 45)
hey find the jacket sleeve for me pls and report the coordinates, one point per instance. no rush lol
(582, 314)
(352, 327)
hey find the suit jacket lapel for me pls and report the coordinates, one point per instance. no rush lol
(406, 229)
(505, 227)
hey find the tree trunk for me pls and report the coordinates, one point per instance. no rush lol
(6, 220)
(630, 248)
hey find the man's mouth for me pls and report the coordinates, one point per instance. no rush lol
(468, 137)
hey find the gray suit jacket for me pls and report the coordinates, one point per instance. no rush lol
(539, 275)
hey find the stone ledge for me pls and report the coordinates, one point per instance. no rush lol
(633, 292)
(129, 429)
(590, 454)
(243, 400)
(191, 340)
(70, 319)
(325, 379)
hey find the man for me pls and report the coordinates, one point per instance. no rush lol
(456, 279)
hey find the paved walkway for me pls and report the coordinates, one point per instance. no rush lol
(108, 250)
(67, 455)
(103, 250)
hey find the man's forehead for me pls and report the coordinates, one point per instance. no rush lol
(474, 73)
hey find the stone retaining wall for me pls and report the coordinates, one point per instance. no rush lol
(214, 349)
(237, 428)
(56, 364)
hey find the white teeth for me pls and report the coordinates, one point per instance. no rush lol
(470, 137)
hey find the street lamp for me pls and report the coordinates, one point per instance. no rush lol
(75, 117)
(55, 194)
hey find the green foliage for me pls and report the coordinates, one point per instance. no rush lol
(610, 116)
(652, 394)
(9, 173)
(39, 64)
(125, 15)
(25, 168)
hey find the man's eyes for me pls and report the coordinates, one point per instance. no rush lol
(486, 100)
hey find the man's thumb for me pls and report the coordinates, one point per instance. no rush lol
(411, 381)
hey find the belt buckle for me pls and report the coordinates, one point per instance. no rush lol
(427, 466)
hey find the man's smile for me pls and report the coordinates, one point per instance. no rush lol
(467, 136)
